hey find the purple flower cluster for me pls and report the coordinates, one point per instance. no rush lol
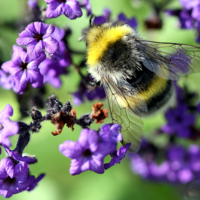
(14, 170)
(69, 8)
(181, 119)
(23, 69)
(189, 16)
(43, 62)
(15, 177)
(179, 165)
(7, 127)
(92, 147)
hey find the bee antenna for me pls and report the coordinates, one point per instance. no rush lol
(91, 18)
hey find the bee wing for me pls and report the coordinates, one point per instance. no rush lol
(125, 111)
(169, 60)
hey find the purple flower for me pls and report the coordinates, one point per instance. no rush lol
(87, 153)
(36, 181)
(189, 4)
(58, 33)
(194, 157)
(176, 156)
(196, 12)
(32, 3)
(24, 69)
(77, 98)
(179, 165)
(86, 4)
(186, 20)
(131, 22)
(19, 157)
(63, 55)
(104, 18)
(97, 92)
(7, 127)
(159, 171)
(14, 177)
(185, 175)
(189, 16)
(69, 8)
(110, 133)
(51, 71)
(6, 81)
(117, 156)
(179, 121)
(37, 38)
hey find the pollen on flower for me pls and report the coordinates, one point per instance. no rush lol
(23, 65)
(38, 37)
(99, 114)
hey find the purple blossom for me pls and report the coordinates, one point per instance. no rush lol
(117, 156)
(35, 183)
(6, 81)
(32, 3)
(132, 22)
(24, 69)
(7, 127)
(51, 71)
(179, 121)
(87, 153)
(37, 37)
(96, 93)
(110, 133)
(194, 155)
(69, 8)
(189, 16)
(58, 33)
(14, 177)
(19, 157)
(77, 98)
(176, 156)
(104, 18)
(86, 4)
(179, 165)
(63, 55)
(189, 4)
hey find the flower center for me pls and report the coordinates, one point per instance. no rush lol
(179, 119)
(87, 153)
(1, 127)
(9, 180)
(62, 1)
(23, 66)
(38, 37)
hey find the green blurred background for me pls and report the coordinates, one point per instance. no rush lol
(118, 182)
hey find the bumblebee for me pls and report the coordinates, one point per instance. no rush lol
(137, 74)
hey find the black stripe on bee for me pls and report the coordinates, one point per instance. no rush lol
(155, 90)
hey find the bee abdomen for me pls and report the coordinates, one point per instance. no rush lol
(162, 99)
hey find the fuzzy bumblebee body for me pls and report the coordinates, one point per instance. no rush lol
(136, 75)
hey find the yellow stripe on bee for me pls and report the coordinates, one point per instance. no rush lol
(158, 85)
(99, 38)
